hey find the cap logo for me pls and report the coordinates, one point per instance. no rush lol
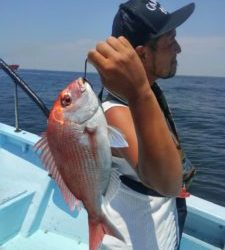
(152, 6)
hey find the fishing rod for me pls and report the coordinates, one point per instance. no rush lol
(24, 87)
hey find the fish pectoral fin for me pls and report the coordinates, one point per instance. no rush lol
(116, 138)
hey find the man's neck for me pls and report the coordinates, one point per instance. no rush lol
(151, 79)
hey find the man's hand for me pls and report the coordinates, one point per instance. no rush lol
(120, 68)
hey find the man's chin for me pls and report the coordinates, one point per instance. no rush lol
(169, 75)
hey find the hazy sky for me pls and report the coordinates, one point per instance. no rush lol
(56, 34)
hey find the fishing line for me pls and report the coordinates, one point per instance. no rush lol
(85, 73)
(85, 69)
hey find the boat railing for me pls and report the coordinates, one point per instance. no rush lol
(10, 71)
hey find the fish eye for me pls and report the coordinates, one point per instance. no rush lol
(66, 100)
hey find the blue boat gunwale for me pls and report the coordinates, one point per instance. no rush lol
(23, 136)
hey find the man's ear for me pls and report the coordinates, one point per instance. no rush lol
(140, 50)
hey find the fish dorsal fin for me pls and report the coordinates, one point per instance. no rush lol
(116, 138)
(44, 152)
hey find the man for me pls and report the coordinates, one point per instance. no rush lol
(148, 175)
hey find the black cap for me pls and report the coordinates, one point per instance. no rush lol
(138, 20)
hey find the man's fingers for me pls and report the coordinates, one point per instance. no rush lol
(116, 44)
(120, 44)
(96, 59)
(105, 49)
(108, 55)
(125, 42)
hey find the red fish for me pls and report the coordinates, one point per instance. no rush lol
(76, 152)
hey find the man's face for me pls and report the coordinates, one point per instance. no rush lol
(162, 62)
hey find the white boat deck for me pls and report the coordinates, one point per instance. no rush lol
(43, 240)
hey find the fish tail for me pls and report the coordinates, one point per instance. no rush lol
(98, 229)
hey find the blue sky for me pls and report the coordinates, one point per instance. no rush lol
(56, 35)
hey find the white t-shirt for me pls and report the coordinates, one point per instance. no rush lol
(146, 222)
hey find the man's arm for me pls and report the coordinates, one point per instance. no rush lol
(151, 150)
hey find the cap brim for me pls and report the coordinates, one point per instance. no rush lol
(177, 18)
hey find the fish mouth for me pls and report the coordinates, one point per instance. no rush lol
(77, 86)
(82, 84)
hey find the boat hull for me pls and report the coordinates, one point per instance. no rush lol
(34, 215)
